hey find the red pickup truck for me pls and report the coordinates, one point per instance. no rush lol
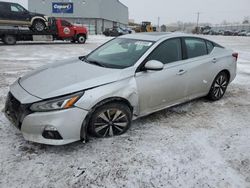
(58, 29)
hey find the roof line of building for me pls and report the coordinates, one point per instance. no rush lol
(122, 4)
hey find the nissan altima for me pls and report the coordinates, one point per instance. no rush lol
(126, 78)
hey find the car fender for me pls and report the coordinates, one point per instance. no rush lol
(41, 18)
(123, 89)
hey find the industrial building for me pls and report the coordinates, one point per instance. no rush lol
(96, 15)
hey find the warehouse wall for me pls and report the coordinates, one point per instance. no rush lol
(111, 10)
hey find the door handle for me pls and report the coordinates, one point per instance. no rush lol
(181, 72)
(214, 60)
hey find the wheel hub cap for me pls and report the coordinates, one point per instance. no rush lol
(220, 86)
(111, 122)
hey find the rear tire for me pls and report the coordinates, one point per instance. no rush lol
(219, 86)
(38, 25)
(110, 120)
(81, 39)
(9, 39)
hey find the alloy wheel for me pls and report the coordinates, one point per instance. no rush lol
(220, 86)
(39, 26)
(111, 122)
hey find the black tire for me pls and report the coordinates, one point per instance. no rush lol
(38, 25)
(110, 120)
(219, 86)
(9, 39)
(81, 39)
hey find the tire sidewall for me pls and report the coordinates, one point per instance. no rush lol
(38, 21)
(79, 39)
(120, 106)
(6, 41)
(211, 96)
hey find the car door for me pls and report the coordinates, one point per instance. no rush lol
(3, 12)
(66, 29)
(200, 66)
(158, 89)
(18, 15)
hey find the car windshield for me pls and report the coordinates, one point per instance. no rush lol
(119, 53)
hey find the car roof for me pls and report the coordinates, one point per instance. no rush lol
(155, 36)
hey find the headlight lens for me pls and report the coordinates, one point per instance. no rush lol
(56, 104)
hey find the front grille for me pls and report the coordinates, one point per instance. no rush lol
(15, 111)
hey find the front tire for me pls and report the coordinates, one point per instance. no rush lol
(110, 120)
(219, 86)
(81, 39)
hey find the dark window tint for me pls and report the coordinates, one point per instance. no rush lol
(65, 23)
(195, 47)
(16, 8)
(1, 7)
(210, 47)
(167, 52)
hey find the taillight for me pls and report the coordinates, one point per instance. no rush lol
(235, 55)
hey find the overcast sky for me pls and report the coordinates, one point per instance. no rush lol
(169, 11)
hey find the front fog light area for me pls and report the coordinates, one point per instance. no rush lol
(51, 132)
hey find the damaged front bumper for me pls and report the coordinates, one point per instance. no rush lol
(52, 128)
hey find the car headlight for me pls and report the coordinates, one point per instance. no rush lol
(57, 103)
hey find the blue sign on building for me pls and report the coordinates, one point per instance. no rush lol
(62, 8)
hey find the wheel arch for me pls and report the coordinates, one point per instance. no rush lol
(38, 18)
(80, 34)
(85, 124)
(224, 70)
(227, 72)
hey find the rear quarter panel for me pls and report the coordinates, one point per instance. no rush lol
(225, 61)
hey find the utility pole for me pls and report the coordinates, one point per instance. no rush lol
(158, 23)
(198, 19)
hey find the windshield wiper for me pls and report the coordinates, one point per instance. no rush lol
(95, 63)
(83, 58)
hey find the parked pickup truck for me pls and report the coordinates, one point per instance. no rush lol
(58, 29)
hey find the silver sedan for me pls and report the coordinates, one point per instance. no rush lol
(124, 79)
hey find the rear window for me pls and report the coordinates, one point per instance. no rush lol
(195, 47)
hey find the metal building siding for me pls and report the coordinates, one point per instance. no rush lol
(111, 10)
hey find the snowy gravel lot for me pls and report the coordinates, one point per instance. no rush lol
(198, 144)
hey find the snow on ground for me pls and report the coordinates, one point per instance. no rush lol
(197, 144)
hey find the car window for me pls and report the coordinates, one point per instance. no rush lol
(195, 47)
(210, 47)
(65, 23)
(116, 48)
(16, 8)
(167, 52)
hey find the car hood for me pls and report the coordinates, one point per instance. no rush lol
(67, 77)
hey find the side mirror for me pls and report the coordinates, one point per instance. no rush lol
(154, 65)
